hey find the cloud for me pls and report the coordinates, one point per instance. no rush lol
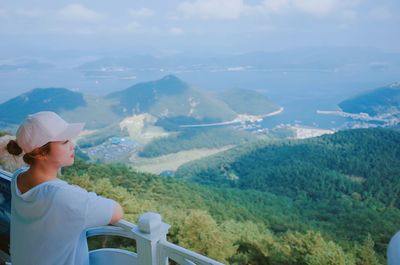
(315, 7)
(234, 9)
(274, 6)
(212, 9)
(267, 7)
(141, 12)
(311, 7)
(175, 31)
(78, 12)
(380, 13)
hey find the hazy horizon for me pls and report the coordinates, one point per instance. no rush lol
(194, 27)
(292, 50)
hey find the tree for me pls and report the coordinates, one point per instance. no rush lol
(201, 233)
(365, 252)
(309, 249)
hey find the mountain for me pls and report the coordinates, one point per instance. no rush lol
(170, 97)
(126, 62)
(378, 101)
(170, 100)
(97, 113)
(40, 99)
(245, 101)
(24, 64)
(326, 57)
(359, 163)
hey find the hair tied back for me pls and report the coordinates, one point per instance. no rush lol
(13, 148)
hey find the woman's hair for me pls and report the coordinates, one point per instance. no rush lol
(29, 158)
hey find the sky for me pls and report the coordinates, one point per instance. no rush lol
(195, 27)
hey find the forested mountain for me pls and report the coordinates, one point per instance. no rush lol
(170, 100)
(379, 101)
(361, 164)
(40, 99)
(248, 101)
(71, 105)
(246, 226)
(170, 97)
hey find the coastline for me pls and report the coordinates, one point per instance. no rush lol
(240, 118)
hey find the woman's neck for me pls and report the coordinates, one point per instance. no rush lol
(40, 173)
(35, 175)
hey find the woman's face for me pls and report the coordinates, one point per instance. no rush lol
(61, 153)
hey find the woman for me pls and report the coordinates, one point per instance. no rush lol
(49, 216)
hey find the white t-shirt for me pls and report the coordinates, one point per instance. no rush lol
(48, 222)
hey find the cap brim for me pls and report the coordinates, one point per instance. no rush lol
(70, 132)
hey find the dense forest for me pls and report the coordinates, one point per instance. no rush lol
(187, 139)
(346, 184)
(362, 164)
(245, 226)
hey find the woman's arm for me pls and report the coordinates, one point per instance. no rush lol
(118, 213)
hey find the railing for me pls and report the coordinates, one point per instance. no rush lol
(152, 246)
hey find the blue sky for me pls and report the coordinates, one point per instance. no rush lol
(202, 27)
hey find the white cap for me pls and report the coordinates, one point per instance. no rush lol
(45, 126)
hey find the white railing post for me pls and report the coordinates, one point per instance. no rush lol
(149, 231)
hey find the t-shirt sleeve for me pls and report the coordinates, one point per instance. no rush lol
(99, 210)
(87, 208)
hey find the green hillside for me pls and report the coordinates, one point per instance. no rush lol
(362, 164)
(381, 100)
(40, 99)
(188, 139)
(246, 226)
(170, 97)
(97, 113)
(248, 101)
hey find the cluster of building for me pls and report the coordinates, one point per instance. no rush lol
(249, 126)
(364, 120)
(114, 149)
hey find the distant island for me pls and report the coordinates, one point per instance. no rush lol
(377, 108)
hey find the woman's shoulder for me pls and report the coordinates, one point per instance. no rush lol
(67, 189)
(70, 198)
